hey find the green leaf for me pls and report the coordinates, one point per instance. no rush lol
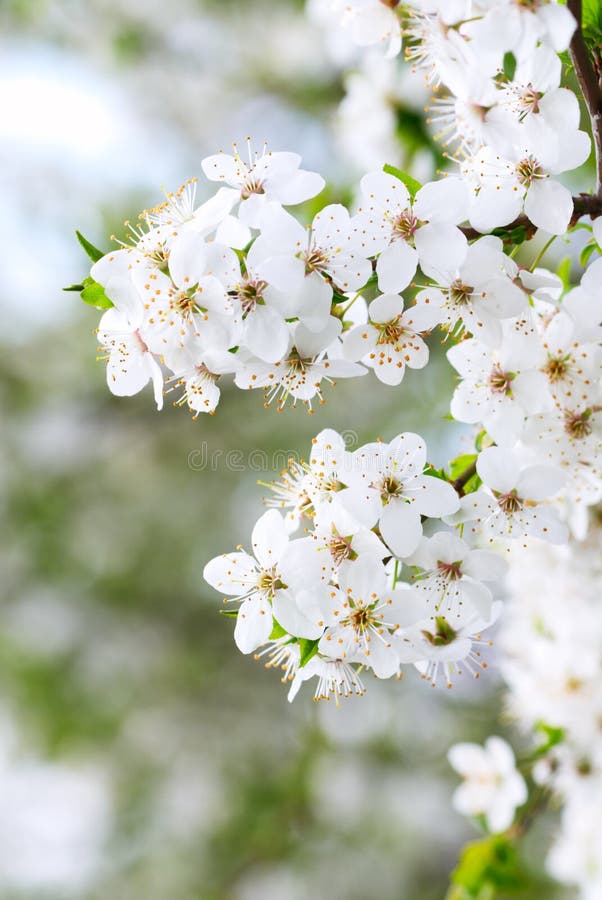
(231, 613)
(94, 295)
(488, 865)
(564, 272)
(434, 473)
(586, 253)
(277, 631)
(75, 287)
(509, 65)
(552, 736)
(480, 441)
(591, 24)
(93, 252)
(412, 185)
(308, 649)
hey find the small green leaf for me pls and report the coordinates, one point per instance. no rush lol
(482, 440)
(277, 631)
(434, 473)
(564, 272)
(339, 298)
(586, 253)
(552, 736)
(412, 185)
(93, 252)
(94, 295)
(75, 287)
(488, 866)
(509, 65)
(231, 613)
(308, 649)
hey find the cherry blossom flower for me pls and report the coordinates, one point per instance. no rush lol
(492, 786)
(386, 484)
(392, 338)
(478, 291)
(499, 388)
(268, 177)
(513, 502)
(406, 233)
(255, 581)
(130, 364)
(334, 247)
(299, 374)
(452, 574)
(364, 614)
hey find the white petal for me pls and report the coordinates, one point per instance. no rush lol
(540, 482)
(401, 527)
(549, 205)
(396, 266)
(266, 334)
(253, 624)
(288, 614)
(445, 200)
(442, 250)
(231, 573)
(269, 538)
(499, 469)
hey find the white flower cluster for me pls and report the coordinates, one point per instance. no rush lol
(238, 286)
(357, 565)
(503, 110)
(552, 642)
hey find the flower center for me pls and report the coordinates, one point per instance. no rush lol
(340, 548)
(501, 382)
(269, 582)
(184, 303)
(460, 292)
(577, 425)
(250, 294)
(529, 100)
(449, 571)
(315, 260)
(556, 367)
(390, 487)
(252, 185)
(390, 332)
(443, 635)
(509, 503)
(296, 363)
(527, 170)
(405, 225)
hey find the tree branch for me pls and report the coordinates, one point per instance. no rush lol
(464, 477)
(590, 86)
(584, 204)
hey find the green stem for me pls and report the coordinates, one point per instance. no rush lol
(542, 252)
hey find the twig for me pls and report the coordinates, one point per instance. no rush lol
(589, 84)
(464, 477)
(584, 204)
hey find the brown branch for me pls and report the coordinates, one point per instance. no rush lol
(583, 205)
(464, 477)
(589, 84)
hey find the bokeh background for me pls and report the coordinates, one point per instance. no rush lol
(140, 754)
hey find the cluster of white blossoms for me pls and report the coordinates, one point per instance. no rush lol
(359, 563)
(371, 559)
(238, 286)
(552, 661)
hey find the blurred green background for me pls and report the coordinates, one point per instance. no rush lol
(140, 754)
